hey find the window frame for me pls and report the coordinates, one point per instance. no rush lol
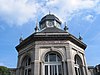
(78, 65)
(53, 65)
(27, 65)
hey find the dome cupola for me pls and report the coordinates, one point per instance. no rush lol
(49, 20)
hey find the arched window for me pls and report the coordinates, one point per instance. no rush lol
(27, 66)
(78, 65)
(52, 65)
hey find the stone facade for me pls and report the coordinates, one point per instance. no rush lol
(94, 70)
(97, 68)
(51, 53)
(91, 70)
(12, 71)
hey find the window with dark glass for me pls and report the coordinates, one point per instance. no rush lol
(78, 65)
(27, 66)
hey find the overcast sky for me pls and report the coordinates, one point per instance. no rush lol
(18, 18)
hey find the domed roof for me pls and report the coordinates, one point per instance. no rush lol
(50, 17)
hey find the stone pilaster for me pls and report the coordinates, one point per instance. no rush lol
(36, 61)
(64, 68)
(85, 66)
(70, 65)
(32, 68)
(36, 68)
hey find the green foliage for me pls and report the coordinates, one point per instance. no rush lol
(4, 70)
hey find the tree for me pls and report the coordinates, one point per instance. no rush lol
(4, 70)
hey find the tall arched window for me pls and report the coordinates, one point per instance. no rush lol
(78, 65)
(52, 65)
(27, 66)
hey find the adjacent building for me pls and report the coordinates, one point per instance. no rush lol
(94, 70)
(51, 50)
(91, 70)
(12, 71)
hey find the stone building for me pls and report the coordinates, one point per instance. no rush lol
(51, 50)
(94, 70)
(12, 71)
(97, 69)
(91, 70)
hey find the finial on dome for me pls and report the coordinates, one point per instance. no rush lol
(21, 39)
(49, 12)
(36, 28)
(80, 38)
(65, 28)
